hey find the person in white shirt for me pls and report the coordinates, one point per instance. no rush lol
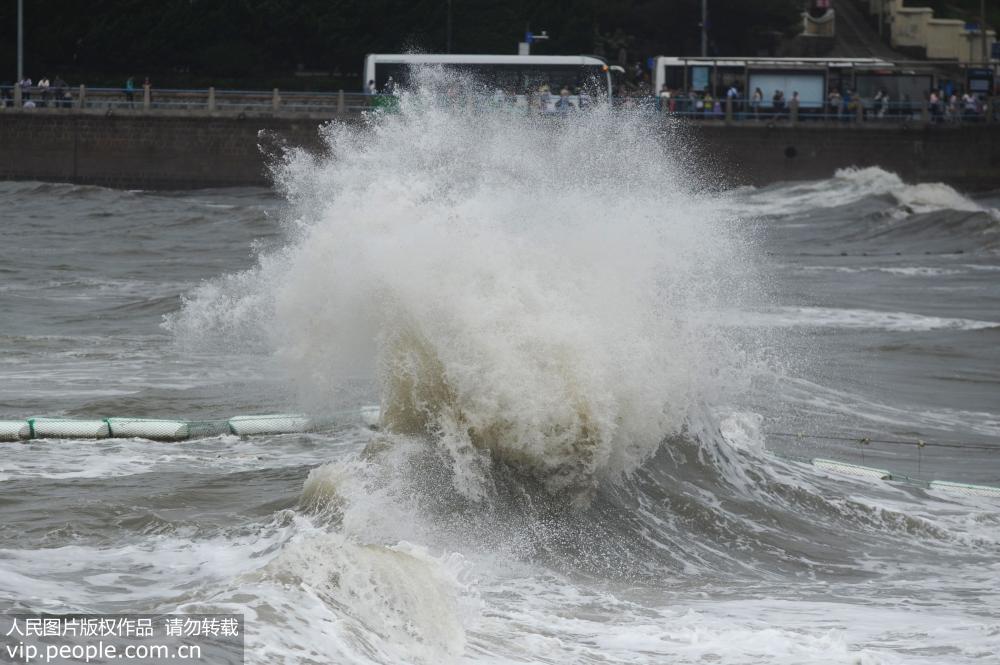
(43, 88)
(969, 107)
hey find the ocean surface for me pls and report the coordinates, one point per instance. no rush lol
(596, 371)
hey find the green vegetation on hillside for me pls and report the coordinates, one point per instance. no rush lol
(965, 10)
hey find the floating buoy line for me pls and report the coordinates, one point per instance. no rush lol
(166, 429)
(872, 473)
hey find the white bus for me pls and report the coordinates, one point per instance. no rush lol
(812, 78)
(515, 75)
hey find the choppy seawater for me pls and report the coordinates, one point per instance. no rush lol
(586, 338)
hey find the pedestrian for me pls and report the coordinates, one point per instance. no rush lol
(147, 88)
(60, 92)
(778, 102)
(934, 104)
(852, 101)
(708, 103)
(733, 98)
(563, 104)
(26, 85)
(43, 91)
(664, 100)
(756, 101)
(970, 107)
(371, 87)
(834, 101)
(130, 92)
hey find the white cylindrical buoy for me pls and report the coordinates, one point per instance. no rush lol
(14, 430)
(281, 423)
(147, 428)
(61, 428)
(851, 469)
(965, 488)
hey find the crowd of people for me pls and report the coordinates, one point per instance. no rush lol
(847, 105)
(40, 94)
(949, 106)
(53, 94)
(945, 104)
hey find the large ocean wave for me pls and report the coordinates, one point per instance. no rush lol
(519, 288)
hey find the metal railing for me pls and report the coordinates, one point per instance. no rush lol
(325, 104)
(855, 110)
(144, 99)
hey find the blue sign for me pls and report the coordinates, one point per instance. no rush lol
(529, 36)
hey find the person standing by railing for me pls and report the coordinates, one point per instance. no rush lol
(733, 99)
(834, 102)
(970, 107)
(756, 101)
(778, 103)
(935, 104)
(60, 93)
(43, 89)
(26, 85)
(130, 92)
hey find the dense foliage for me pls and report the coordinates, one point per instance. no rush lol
(200, 40)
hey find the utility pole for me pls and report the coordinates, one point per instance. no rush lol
(448, 30)
(982, 31)
(20, 40)
(704, 28)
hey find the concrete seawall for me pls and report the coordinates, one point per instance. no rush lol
(179, 151)
(155, 151)
(966, 157)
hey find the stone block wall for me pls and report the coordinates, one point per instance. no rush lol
(141, 151)
(181, 152)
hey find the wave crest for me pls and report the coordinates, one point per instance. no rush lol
(521, 287)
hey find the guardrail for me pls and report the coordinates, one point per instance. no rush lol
(858, 110)
(148, 100)
(326, 104)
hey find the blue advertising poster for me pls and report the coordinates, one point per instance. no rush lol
(699, 78)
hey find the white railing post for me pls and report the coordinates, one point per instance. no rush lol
(81, 99)
(211, 99)
(341, 104)
(18, 98)
(275, 101)
(147, 97)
